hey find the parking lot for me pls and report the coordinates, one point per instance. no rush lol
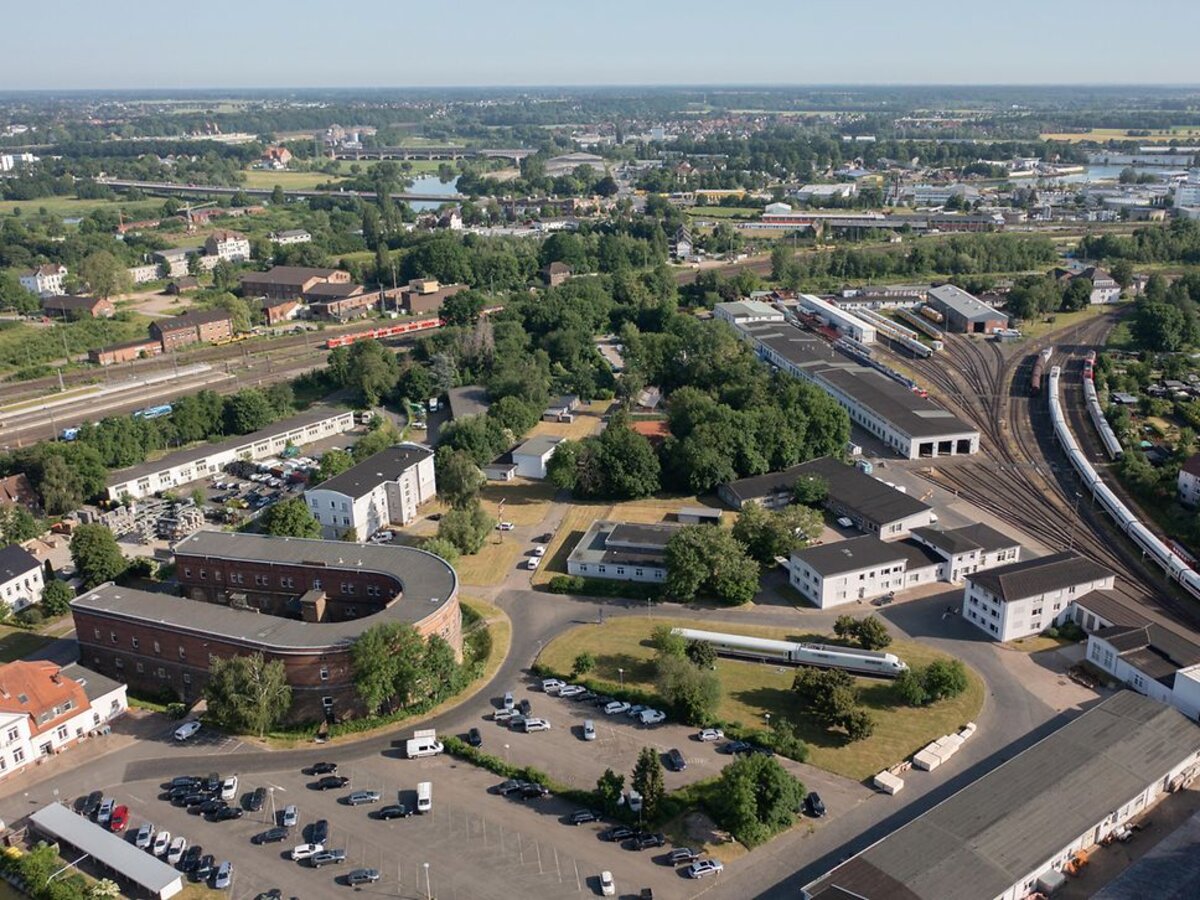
(476, 844)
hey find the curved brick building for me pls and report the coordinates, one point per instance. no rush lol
(300, 601)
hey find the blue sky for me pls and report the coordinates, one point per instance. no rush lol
(272, 43)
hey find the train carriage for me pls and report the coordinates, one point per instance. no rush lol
(825, 656)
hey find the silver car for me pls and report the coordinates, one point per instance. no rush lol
(224, 876)
(290, 817)
(360, 797)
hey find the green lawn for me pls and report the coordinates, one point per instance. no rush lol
(292, 181)
(22, 344)
(17, 644)
(750, 690)
(724, 212)
(73, 206)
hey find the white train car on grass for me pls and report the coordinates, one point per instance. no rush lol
(824, 656)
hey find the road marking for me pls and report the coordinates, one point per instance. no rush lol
(277, 787)
(557, 866)
(138, 799)
(578, 883)
(538, 845)
(520, 848)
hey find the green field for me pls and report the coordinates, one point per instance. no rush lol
(723, 212)
(751, 690)
(22, 344)
(73, 206)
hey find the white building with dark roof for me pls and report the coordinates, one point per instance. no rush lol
(970, 549)
(622, 551)
(1025, 598)
(1012, 832)
(861, 568)
(381, 490)
(1188, 481)
(1151, 659)
(45, 280)
(21, 581)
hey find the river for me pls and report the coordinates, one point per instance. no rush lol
(431, 184)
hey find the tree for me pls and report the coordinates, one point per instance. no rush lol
(246, 411)
(334, 462)
(467, 527)
(619, 464)
(945, 678)
(463, 308)
(694, 693)
(703, 560)
(349, 536)
(667, 642)
(248, 694)
(104, 889)
(562, 469)
(1121, 271)
(291, 518)
(384, 660)
(648, 781)
(858, 723)
(56, 598)
(441, 547)
(844, 627)
(811, 490)
(61, 487)
(368, 368)
(383, 434)
(702, 654)
(1078, 294)
(459, 480)
(104, 274)
(17, 524)
(756, 797)
(872, 634)
(277, 196)
(584, 663)
(439, 675)
(769, 534)
(96, 556)
(609, 788)
(910, 688)
(828, 694)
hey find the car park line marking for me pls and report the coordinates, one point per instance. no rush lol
(557, 866)
(578, 883)
(538, 845)
(520, 848)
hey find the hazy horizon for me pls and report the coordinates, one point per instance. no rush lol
(306, 45)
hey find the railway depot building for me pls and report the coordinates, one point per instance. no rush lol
(913, 426)
(209, 459)
(965, 312)
(1024, 598)
(1012, 832)
(303, 602)
(383, 489)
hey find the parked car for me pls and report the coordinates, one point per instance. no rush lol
(229, 788)
(254, 803)
(105, 812)
(144, 837)
(516, 721)
(533, 562)
(608, 887)
(636, 710)
(645, 840)
(585, 697)
(270, 836)
(552, 685)
(327, 858)
(91, 806)
(225, 813)
(675, 760)
(290, 817)
(504, 526)
(475, 738)
(617, 833)
(845, 521)
(185, 781)
(814, 805)
(224, 877)
(362, 876)
(119, 819)
(176, 850)
(525, 707)
(195, 799)
(319, 833)
(187, 731)
(306, 851)
(508, 701)
(682, 855)
(589, 730)
(732, 747)
(162, 841)
(503, 715)
(359, 798)
(571, 690)
(208, 807)
(652, 717)
(505, 788)
(710, 734)
(532, 791)
(394, 811)
(323, 768)
(539, 550)
(703, 867)
(615, 708)
(583, 816)
(532, 725)
(330, 782)
(205, 868)
(191, 859)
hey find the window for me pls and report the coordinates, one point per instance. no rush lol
(157, 647)
(134, 642)
(187, 677)
(162, 673)
(13, 734)
(204, 574)
(61, 732)
(182, 653)
(140, 668)
(19, 756)
(96, 631)
(324, 673)
(113, 636)
(187, 573)
(316, 584)
(119, 663)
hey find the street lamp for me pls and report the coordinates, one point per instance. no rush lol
(621, 673)
(505, 758)
(428, 892)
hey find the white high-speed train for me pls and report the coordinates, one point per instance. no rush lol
(1108, 437)
(1175, 567)
(824, 656)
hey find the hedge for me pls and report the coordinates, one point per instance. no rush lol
(601, 587)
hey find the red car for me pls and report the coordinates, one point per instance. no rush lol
(120, 818)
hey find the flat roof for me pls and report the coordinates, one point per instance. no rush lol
(428, 583)
(1039, 576)
(850, 555)
(999, 829)
(386, 465)
(907, 412)
(112, 850)
(593, 546)
(95, 686)
(966, 305)
(538, 446)
(756, 308)
(283, 426)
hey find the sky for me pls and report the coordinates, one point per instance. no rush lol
(135, 44)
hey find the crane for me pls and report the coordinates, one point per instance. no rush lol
(187, 212)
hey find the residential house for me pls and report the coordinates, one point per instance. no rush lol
(383, 489)
(21, 580)
(555, 274)
(1025, 598)
(63, 306)
(144, 273)
(1189, 481)
(1104, 287)
(231, 246)
(46, 708)
(16, 490)
(193, 327)
(531, 457)
(45, 280)
(291, 236)
(622, 551)
(681, 243)
(174, 260)
(276, 157)
(451, 219)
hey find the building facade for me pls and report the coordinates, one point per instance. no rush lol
(21, 578)
(533, 455)
(964, 312)
(45, 280)
(230, 246)
(203, 326)
(620, 551)
(288, 282)
(1188, 481)
(861, 568)
(382, 490)
(1150, 659)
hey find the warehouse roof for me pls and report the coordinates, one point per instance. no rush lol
(202, 451)
(386, 465)
(287, 275)
(541, 445)
(1039, 576)
(1107, 605)
(631, 544)
(849, 556)
(108, 849)
(854, 490)
(966, 305)
(999, 829)
(638, 535)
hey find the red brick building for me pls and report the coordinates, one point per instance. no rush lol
(303, 602)
(204, 326)
(289, 282)
(63, 306)
(126, 352)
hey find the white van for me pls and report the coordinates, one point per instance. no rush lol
(423, 743)
(425, 796)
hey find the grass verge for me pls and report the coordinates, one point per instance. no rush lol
(16, 643)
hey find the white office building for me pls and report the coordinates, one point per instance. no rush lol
(848, 324)
(45, 281)
(531, 457)
(1152, 660)
(382, 490)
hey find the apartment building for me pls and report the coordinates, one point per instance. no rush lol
(381, 490)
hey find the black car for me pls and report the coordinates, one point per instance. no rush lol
(225, 813)
(525, 707)
(272, 894)
(505, 788)
(645, 840)
(320, 832)
(191, 858)
(582, 817)
(814, 805)
(185, 781)
(208, 807)
(212, 783)
(602, 701)
(474, 738)
(256, 800)
(205, 868)
(760, 749)
(675, 760)
(91, 805)
(394, 811)
(331, 782)
(324, 768)
(533, 791)
(617, 833)
(735, 747)
(176, 794)
(270, 836)
(194, 799)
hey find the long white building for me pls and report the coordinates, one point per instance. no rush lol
(208, 459)
(381, 490)
(846, 323)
